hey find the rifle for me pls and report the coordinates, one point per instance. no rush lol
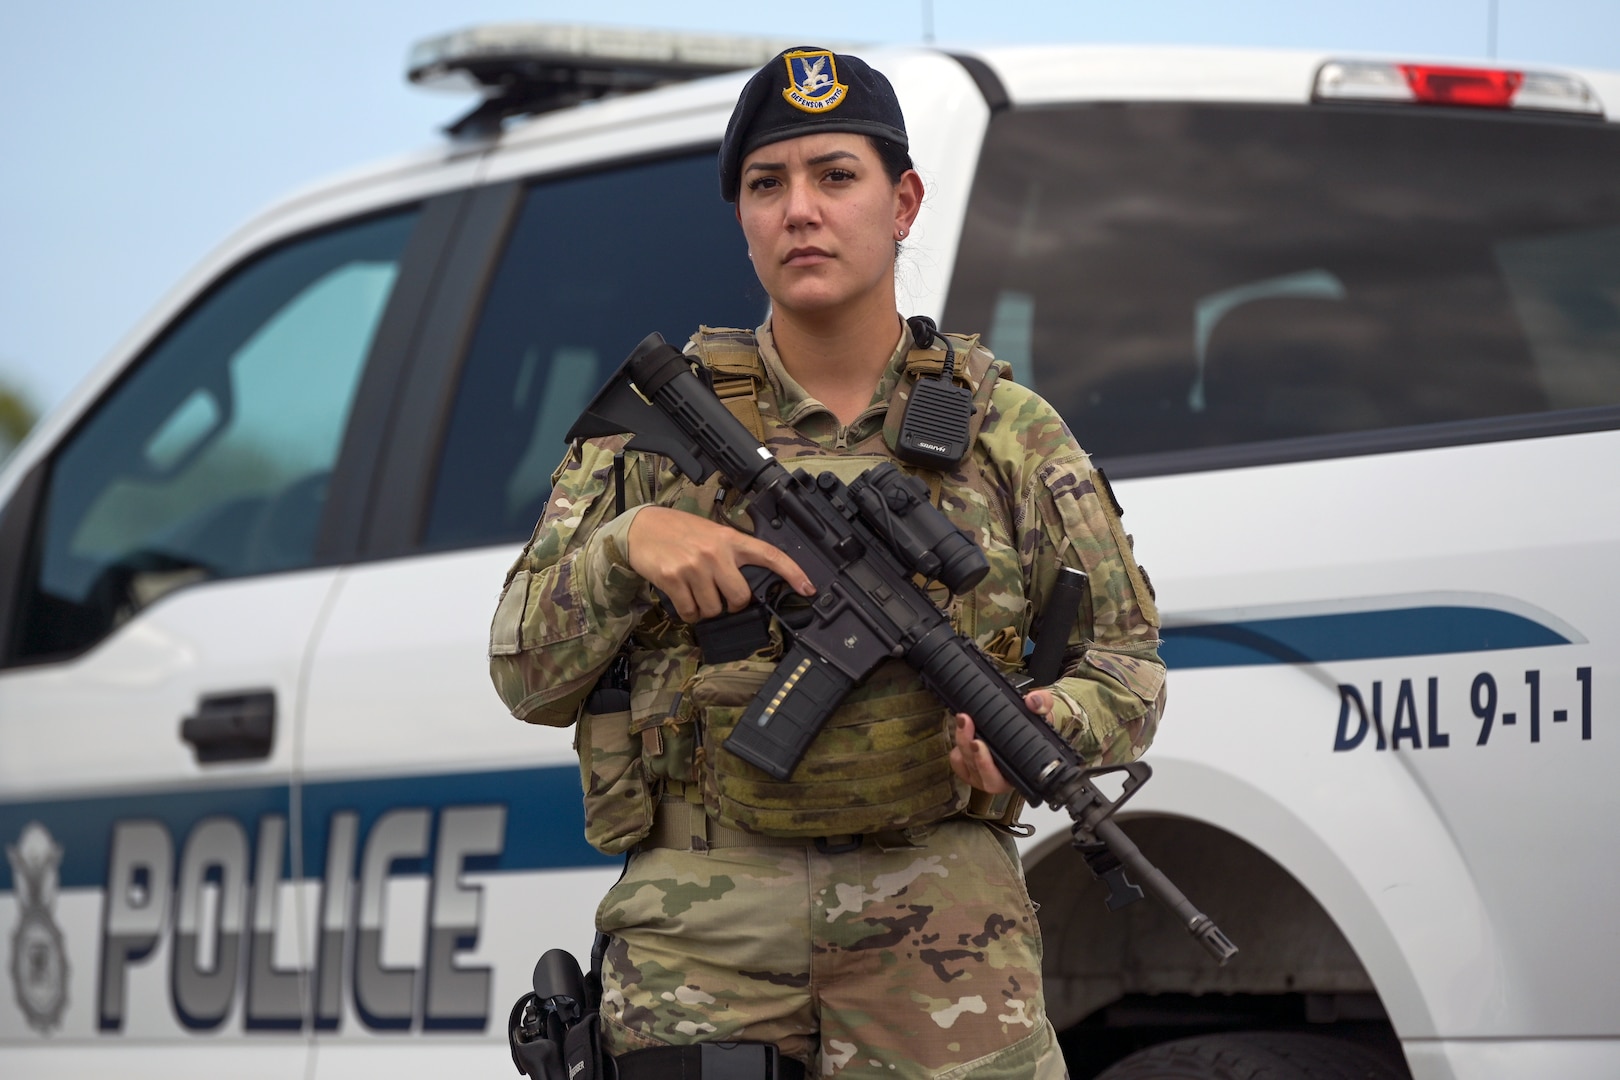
(860, 544)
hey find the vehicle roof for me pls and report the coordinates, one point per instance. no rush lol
(1031, 75)
(1046, 74)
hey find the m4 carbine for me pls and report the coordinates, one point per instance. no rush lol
(860, 544)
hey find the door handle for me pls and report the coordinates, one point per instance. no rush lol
(232, 727)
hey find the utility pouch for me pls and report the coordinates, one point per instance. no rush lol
(881, 762)
(612, 775)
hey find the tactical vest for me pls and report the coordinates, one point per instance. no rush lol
(882, 761)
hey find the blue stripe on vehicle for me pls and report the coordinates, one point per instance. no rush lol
(1359, 635)
(544, 818)
(545, 822)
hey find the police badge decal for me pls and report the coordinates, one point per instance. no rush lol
(813, 80)
(39, 967)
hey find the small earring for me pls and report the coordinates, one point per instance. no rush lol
(902, 235)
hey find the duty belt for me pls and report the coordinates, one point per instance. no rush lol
(683, 826)
(709, 1061)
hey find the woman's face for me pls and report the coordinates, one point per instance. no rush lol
(821, 219)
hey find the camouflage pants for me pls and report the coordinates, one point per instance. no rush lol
(918, 961)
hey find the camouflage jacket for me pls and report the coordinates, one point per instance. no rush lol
(1028, 495)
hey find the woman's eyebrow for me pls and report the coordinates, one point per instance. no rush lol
(819, 159)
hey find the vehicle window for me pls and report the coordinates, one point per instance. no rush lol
(210, 460)
(593, 265)
(1182, 277)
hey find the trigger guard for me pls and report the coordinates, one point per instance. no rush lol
(774, 594)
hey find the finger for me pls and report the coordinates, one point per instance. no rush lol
(709, 601)
(963, 758)
(964, 730)
(680, 599)
(959, 766)
(1039, 701)
(733, 587)
(962, 768)
(990, 778)
(985, 768)
(979, 768)
(758, 553)
(696, 597)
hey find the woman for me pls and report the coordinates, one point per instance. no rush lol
(870, 913)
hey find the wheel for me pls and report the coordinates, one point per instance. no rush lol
(1257, 1055)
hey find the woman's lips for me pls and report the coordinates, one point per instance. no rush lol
(804, 256)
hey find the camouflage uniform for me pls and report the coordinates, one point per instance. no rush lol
(918, 952)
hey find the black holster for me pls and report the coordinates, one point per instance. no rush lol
(555, 1033)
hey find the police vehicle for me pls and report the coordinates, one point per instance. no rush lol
(1345, 330)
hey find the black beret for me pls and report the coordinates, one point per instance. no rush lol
(803, 91)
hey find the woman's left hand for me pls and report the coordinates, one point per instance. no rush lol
(970, 757)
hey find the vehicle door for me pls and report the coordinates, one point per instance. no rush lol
(163, 568)
(460, 827)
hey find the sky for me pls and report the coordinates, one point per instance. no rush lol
(136, 137)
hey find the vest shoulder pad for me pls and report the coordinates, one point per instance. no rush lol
(729, 352)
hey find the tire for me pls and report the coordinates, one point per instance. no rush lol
(1257, 1055)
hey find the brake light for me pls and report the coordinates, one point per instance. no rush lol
(1480, 87)
(1437, 84)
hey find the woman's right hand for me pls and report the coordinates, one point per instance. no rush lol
(698, 563)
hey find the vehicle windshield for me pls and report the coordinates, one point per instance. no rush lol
(1195, 285)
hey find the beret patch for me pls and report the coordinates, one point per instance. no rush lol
(813, 81)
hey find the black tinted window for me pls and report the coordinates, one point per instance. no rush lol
(593, 265)
(210, 459)
(1183, 277)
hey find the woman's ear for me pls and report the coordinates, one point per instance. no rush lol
(908, 202)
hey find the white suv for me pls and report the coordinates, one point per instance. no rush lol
(1346, 331)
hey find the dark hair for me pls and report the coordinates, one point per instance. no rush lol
(895, 158)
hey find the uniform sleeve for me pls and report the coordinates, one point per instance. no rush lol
(571, 598)
(1108, 702)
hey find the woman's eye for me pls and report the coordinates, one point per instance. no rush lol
(840, 175)
(760, 183)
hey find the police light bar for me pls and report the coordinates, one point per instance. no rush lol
(1439, 84)
(526, 68)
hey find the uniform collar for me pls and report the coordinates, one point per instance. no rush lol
(793, 403)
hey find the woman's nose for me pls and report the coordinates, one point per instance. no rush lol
(802, 207)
